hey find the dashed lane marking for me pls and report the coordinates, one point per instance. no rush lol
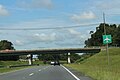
(31, 74)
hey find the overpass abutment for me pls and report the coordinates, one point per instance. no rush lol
(30, 59)
(68, 60)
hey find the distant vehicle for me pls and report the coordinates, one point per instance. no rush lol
(55, 63)
(52, 63)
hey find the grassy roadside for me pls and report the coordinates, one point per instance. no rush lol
(6, 65)
(3, 70)
(97, 68)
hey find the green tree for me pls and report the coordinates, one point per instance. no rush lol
(117, 36)
(74, 57)
(4, 44)
(57, 57)
(7, 45)
(96, 37)
(47, 57)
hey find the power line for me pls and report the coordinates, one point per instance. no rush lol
(42, 28)
(117, 14)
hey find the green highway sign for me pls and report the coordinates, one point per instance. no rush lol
(107, 39)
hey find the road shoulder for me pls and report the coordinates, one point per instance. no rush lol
(78, 74)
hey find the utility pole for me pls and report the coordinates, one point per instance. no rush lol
(107, 52)
(104, 23)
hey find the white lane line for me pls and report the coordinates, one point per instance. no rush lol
(31, 74)
(43, 68)
(70, 73)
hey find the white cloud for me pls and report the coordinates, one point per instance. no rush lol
(84, 16)
(44, 37)
(18, 43)
(3, 11)
(36, 4)
(77, 35)
(73, 31)
(105, 4)
(71, 37)
(111, 6)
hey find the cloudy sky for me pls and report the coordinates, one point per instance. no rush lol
(35, 24)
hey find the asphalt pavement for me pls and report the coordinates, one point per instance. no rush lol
(47, 72)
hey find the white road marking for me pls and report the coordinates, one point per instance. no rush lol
(31, 74)
(43, 68)
(70, 73)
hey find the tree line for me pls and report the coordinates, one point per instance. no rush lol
(7, 45)
(58, 57)
(97, 39)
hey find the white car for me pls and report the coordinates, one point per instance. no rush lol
(55, 63)
(52, 63)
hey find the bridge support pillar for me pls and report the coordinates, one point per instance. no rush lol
(30, 59)
(69, 61)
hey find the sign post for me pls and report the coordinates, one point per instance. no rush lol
(106, 40)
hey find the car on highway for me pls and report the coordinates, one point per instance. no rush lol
(52, 62)
(55, 63)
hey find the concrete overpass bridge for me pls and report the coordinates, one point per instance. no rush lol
(50, 51)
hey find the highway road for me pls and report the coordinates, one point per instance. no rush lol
(39, 73)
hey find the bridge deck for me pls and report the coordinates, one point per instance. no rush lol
(42, 51)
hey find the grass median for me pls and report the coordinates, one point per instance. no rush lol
(6, 65)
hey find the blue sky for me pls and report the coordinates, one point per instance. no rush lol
(23, 14)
